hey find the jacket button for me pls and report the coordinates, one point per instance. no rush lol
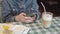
(14, 9)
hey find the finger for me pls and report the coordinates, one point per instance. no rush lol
(27, 18)
(23, 14)
(34, 17)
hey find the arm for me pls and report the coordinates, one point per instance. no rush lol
(35, 7)
(6, 13)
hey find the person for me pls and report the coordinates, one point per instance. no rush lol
(17, 10)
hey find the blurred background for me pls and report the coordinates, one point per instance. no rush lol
(51, 6)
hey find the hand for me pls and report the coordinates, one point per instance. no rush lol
(30, 19)
(23, 18)
(20, 17)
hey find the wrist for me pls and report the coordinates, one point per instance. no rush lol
(15, 19)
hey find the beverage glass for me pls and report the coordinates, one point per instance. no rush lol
(47, 19)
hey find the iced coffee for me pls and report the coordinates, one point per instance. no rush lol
(47, 19)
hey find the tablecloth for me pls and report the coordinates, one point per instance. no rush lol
(37, 28)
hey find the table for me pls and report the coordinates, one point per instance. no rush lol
(37, 28)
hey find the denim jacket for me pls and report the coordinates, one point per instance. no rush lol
(12, 8)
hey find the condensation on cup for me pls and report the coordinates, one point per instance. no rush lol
(47, 19)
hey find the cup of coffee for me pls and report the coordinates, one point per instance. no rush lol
(47, 19)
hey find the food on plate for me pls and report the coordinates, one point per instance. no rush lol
(6, 29)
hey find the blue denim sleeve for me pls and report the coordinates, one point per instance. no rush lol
(32, 4)
(36, 9)
(6, 13)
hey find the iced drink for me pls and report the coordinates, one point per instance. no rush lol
(47, 19)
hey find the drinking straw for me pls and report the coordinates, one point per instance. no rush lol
(43, 7)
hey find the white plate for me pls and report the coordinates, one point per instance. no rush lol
(20, 29)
